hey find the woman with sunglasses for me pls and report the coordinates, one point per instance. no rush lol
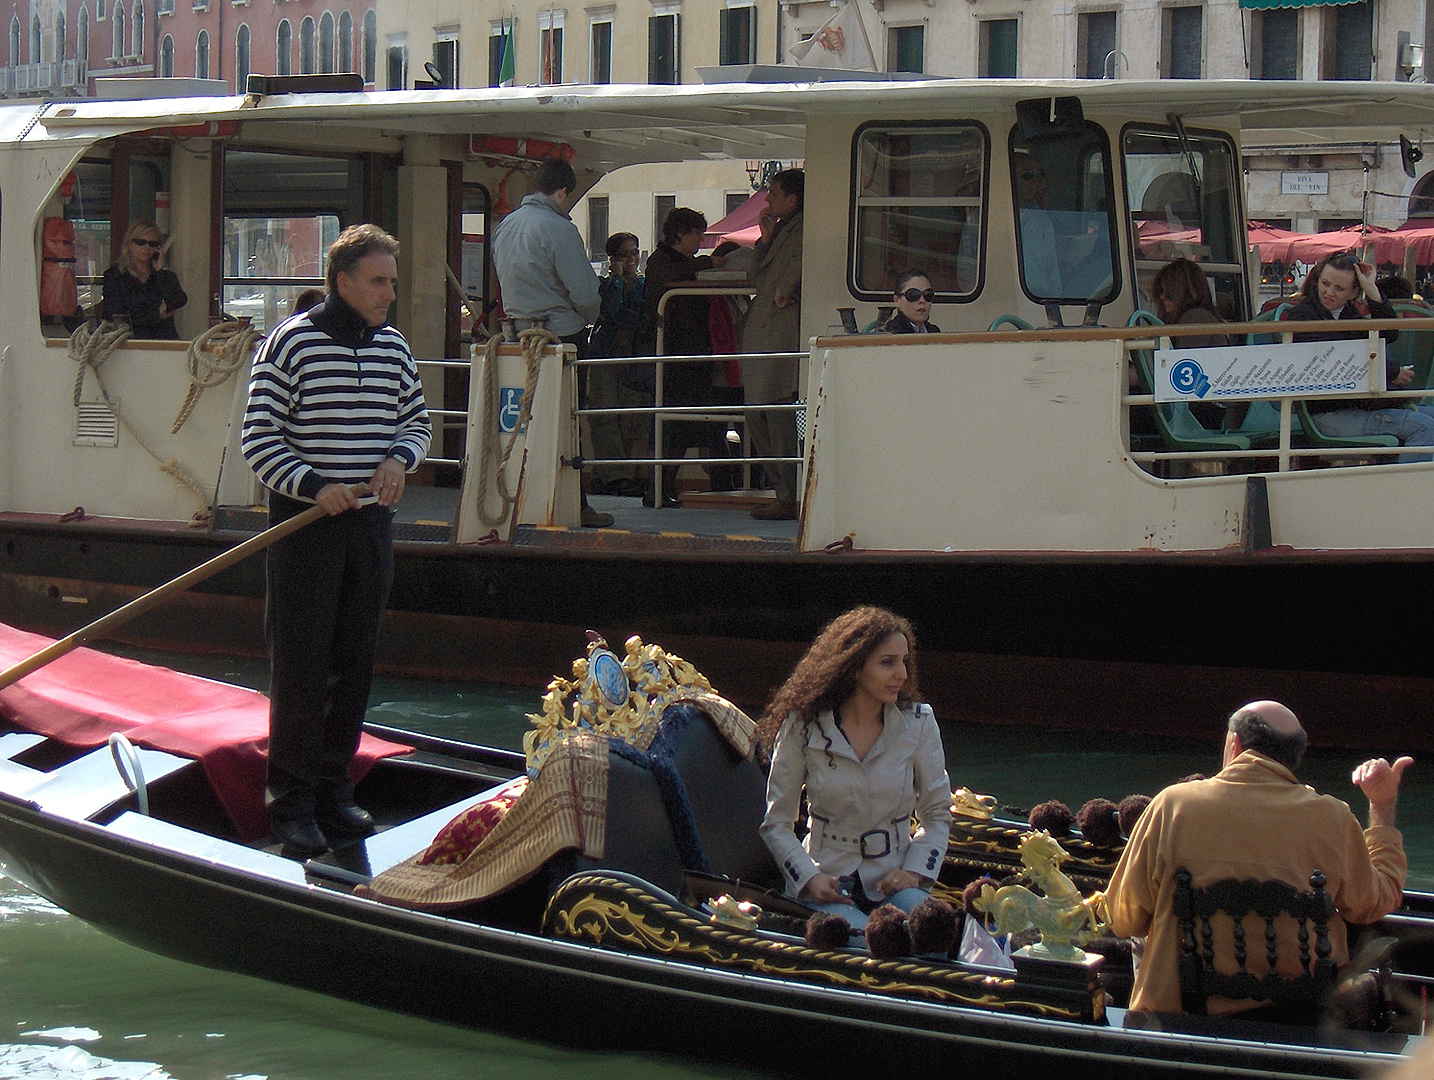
(913, 298)
(1328, 296)
(138, 290)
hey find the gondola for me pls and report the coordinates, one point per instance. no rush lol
(627, 944)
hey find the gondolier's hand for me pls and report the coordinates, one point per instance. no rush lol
(1379, 780)
(336, 498)
(824, 889)
(387, 482)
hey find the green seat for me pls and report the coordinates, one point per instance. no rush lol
(1415, 348)
(1009, 320)
(1320, 441)
(1178, 427)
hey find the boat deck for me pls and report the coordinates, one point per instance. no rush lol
(705, 522)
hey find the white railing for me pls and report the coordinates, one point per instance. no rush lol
(1287, 455)
(445, 421)
(662, 413)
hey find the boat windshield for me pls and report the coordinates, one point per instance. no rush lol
(918, 197)
(1061, 186)
(1183, 199)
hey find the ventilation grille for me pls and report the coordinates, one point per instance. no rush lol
(95, 425)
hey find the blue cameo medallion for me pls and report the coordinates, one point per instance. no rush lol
(609, 678)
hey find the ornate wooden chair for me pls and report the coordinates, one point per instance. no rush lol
(1298, 996)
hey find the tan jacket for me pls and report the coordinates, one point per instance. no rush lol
(776, 271)
(1252, 820)
(903, 774)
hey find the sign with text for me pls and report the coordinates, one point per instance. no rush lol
(1245, 372)
(1304, 183)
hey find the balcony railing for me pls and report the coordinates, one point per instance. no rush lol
(39, 78)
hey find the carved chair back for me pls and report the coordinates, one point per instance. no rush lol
(1269, 901)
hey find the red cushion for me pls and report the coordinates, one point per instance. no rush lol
(458, 839)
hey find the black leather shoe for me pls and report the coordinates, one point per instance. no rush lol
(300, 839)
(346, 821)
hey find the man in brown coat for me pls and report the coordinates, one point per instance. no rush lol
(1255, 820)
(774, 325)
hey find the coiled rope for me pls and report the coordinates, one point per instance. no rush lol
(91, 348)
(214, 356)
(492, 451)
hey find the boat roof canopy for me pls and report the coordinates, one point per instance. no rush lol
(616, 125)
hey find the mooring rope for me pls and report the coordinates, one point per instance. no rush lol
(533, 341)
(214, 356)
(91, 349)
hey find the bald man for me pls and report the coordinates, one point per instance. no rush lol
(1255, 820)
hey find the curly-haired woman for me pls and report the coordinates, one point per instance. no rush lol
(846, 727)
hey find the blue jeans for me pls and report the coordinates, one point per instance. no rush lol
(905, 899)
(1413, 427)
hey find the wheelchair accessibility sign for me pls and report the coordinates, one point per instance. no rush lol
(1245, 372)
(510, 406)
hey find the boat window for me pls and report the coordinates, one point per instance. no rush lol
(88, 211)
(1183, 199)
(268, 262)
(1063, 194)
(918, 200)
(281, 214)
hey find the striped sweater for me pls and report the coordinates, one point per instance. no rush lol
(329, 398)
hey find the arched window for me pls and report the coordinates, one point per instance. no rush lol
(241, 58)
(60, 37)
(35, 40)
(166, 58)
(15, 58)
(117, 42)
(326, 44)
(306, 46)
(82, 42)
(346, 43)
(137, 32)
(370, 46)
(201, 55)
(284, 58)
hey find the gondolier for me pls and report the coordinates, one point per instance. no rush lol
(334, 400)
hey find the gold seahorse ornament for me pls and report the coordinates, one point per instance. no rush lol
(1064, 917)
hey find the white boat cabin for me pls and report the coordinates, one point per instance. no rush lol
(1029, 205)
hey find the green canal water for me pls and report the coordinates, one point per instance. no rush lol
(77, 1005)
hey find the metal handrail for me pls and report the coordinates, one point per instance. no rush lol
(662, 413)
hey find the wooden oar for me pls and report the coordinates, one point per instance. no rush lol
(141, 604)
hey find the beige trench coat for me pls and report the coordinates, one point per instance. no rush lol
(860, 810)
(776, 271)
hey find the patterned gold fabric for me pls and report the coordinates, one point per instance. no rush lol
(565, 807)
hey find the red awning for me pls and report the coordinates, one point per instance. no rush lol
(735, 225)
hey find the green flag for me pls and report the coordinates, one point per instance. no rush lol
(505, 66)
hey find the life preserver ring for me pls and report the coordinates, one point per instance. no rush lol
(509, 148)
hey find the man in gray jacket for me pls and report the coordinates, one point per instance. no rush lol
(545, 274)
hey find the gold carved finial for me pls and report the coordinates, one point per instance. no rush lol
(621, 698)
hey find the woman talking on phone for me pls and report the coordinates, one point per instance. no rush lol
(138, 290)
(846, 727)
(1329, 295)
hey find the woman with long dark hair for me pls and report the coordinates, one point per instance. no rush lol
(847, 727)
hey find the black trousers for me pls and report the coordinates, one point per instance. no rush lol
(328, 584)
